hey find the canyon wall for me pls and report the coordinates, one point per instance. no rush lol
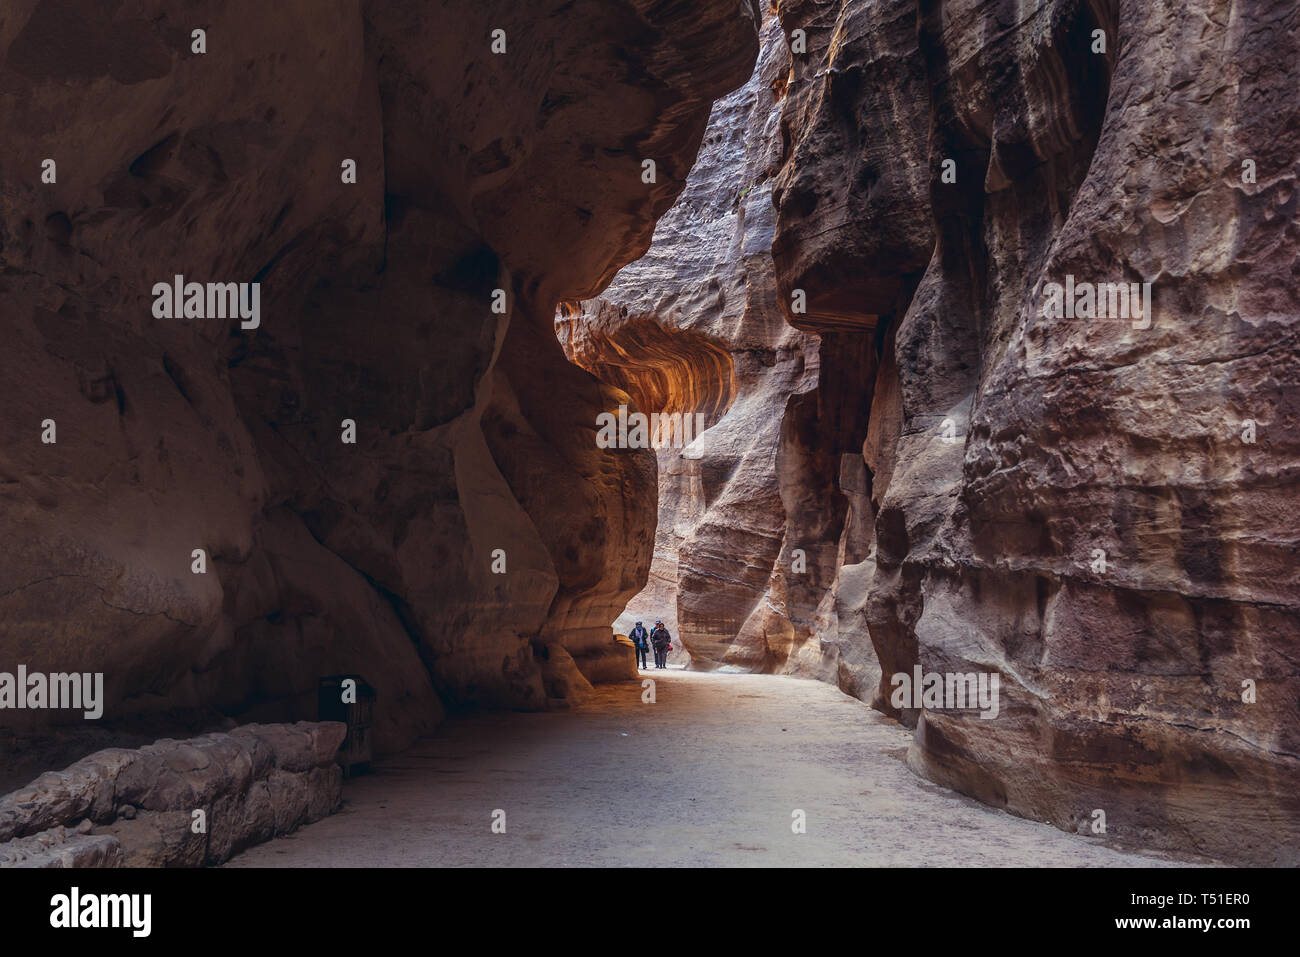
(183, 509)
(749, 547)
(693, 327)
(1096, 510)
(910, 462)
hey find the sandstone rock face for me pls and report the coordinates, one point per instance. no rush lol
(695, 326)
(764, 520)
(474, 437)
(1093, 510)
(1068, 503)
(135, 808)
(921, 468)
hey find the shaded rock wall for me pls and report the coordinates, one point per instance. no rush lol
(473, 433)
(137, 808)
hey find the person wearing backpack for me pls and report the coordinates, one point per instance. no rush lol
(641, 640)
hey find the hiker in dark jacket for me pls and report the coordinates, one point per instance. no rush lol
(659, 637)
(641, 640)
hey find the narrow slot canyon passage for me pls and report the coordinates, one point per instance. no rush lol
(709, 775)
(930, 368)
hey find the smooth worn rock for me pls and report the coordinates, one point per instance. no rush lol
(913, 463)
(474, 437)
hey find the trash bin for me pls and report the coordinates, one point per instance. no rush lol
(357, 712)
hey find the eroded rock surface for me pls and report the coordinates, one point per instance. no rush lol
(475, 171)
(175, 803)
(748, 537)
(921, 469)
(1069, 503)
(1095, 510)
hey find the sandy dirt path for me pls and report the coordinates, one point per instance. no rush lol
(710, 774)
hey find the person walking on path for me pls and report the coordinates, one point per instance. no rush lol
(660, 638)
(641, 640)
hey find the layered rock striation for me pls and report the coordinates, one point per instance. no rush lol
(695, 325)
(918, 456)
(1090, 502)
(1090, 505)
